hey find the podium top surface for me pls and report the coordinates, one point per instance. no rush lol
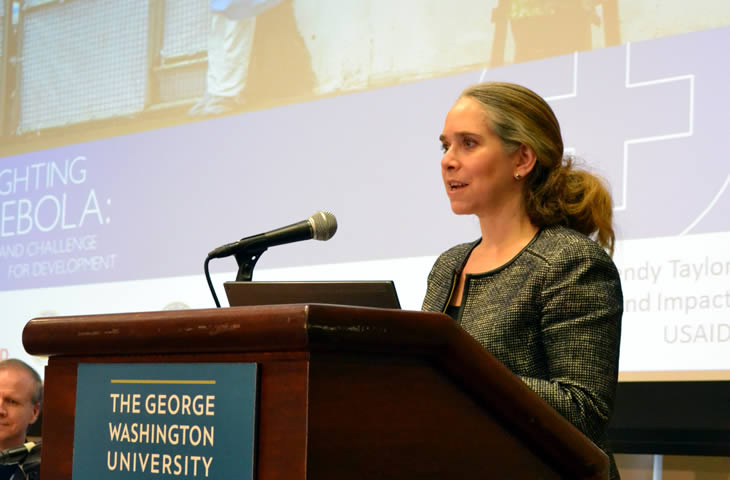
(293, 327)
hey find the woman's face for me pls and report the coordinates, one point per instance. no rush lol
(478, 174)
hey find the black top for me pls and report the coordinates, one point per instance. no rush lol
(6, 471)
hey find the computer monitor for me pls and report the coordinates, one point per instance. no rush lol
(381, 294)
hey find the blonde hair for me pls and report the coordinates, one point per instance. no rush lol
(556, 192)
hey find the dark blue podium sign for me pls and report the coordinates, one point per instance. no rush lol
(172, 420)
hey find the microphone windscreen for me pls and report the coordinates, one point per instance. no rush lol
(324, 225)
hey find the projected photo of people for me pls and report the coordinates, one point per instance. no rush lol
(138, 65)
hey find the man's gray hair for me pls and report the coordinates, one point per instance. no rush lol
(21, 365)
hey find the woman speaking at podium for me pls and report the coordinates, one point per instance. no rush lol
(538, 290)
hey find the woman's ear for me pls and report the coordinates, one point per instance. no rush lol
(525, 159)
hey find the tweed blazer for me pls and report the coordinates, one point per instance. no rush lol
(552, 315)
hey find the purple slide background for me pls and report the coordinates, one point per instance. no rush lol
(167, 197)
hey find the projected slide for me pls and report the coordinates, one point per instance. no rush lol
(124, 223)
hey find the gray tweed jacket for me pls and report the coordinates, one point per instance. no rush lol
(552, 315)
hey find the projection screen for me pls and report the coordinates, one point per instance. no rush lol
(112, 192)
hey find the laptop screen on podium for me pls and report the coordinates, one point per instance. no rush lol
(381, 294)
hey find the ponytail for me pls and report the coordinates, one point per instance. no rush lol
(573, 198)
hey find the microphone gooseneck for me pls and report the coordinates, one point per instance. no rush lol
(16, 455)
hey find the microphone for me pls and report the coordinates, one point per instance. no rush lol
(16, 455)
(320, 226)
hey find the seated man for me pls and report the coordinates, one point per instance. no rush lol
(21, 393)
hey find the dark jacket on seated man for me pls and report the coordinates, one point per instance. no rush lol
(13, 472)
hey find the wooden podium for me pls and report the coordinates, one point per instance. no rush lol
(344, 392)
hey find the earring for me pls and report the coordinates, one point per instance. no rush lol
(517, 176)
